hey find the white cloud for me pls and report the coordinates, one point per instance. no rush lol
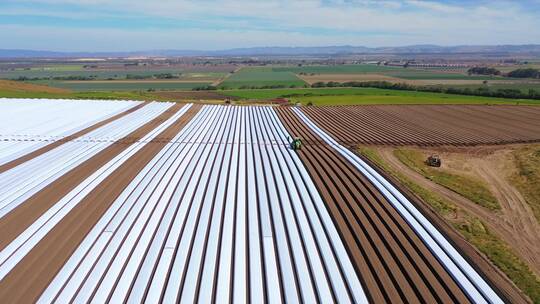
(302, 22)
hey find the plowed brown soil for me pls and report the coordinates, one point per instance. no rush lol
(479, 261)
(24, 215)
(24, 87)
(33, 273)
(60, 142)
(393, 263)
(429, 125)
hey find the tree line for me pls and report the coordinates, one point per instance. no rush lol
(160, 76)
(519, 73)
(480, 91)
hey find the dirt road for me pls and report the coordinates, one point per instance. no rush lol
(514, 223)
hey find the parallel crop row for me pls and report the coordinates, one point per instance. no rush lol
(428, 125)
(162, 202)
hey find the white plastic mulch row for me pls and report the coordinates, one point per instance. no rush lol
(225, 212)
(29, 124)
(28, 178)
(17, 249)
(464, 274)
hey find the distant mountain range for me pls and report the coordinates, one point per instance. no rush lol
(531, 49)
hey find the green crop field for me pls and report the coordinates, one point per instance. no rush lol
(122, 95)
(261, 76)
(68, 71)
(523, 87)
(352, 96)
(79, 73)
(123, 86)
(337, 69)
(398, 72)
(435, 74)
(57, 68)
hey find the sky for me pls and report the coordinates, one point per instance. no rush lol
(136, 25)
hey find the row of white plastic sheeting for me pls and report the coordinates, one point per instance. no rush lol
(26, 179)
(28, 124)
(18, 248)
(464, 274)
(225, 212)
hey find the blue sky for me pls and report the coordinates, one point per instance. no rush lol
(126, 25)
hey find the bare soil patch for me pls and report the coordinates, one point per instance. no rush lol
(514, 223)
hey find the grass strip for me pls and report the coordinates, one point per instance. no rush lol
(472, 229)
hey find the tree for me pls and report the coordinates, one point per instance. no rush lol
(525, 73)
(483, 71)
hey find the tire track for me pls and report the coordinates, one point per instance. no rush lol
(393, 262)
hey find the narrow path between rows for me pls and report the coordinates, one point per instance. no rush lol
(60, 142)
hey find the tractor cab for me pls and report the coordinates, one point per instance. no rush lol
(433, 161)
(296, 143)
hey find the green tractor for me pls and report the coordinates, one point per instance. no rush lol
(296, 144)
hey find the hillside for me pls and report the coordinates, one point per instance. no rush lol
(7, 86)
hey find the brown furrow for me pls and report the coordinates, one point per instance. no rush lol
(428, 125)
(16, 221)
(374, 233)
(33, 273)
(60, 142)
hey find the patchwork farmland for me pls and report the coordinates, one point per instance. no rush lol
(124, 201)
(261, 77)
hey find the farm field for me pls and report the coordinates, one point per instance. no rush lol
(382, 71)
(243, 82)
(314, 78)
(414, 74)
(14, 87)
(261, 77)
(429, 125)
(126, 85)
(508, 236)
(458, 82)
(155, 197)
(524, 86)
(337, 69)
(357, 96)
(99, 74)
(316, 96)
(104, 74)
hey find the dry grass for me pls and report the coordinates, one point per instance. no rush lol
(470, 187)
(527, 177)
(473, 229)
(20, 87)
